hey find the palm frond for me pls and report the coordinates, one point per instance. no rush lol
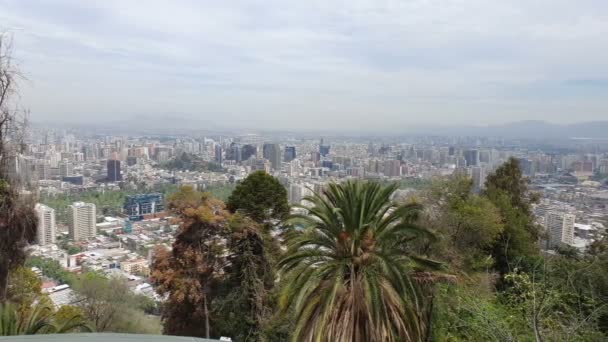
(349, 275)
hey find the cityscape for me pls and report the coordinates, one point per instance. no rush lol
(319, 171)
(119, 236)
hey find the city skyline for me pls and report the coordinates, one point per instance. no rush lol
(311, 65)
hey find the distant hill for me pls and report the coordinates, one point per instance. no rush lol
(522, 129)
(538, 129)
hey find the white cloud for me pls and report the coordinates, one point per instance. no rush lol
(294, 64)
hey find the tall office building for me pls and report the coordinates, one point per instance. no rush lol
(471, 157)
(66, 168)
(219, 154)
(392, 168)
(248, 151)
(526, 166)
(42, 169)
(234, 153)
(114, 174)
(560, 228)
(82, 221)
(272, 152)
(46, 225)
(290, 153)
(484, 156)
(315, 157)
(478, 173)
(324, 149)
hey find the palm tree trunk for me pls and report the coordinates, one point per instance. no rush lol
(429, 318)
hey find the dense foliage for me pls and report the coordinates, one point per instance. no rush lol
(190, 162)
(507, 189)
(109, 305)
(451, 265)
(261, 197)
(52, 269)
(243, 303)
(454, 266)
(110, 203)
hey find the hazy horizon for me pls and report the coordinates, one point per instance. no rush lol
(280, 65)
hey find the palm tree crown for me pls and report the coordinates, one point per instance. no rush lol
(38, 319)
(348, 270)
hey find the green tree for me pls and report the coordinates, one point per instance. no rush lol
(187, 273)
(350, 273)
(465, 223)
(261, 197)
(244, 307)
(24, 286)
(190, 162)
(51, 268)
(110, 305)
(507, 188)
(471, 312)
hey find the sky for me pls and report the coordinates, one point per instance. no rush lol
(305, 65)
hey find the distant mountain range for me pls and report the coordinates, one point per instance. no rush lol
(521, 129)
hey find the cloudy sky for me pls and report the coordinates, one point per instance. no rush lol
(312, 64)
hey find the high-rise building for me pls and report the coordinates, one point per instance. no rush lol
(297, 191)
(114, 174)
(136, 206)
(526, 166)
(315, 157)
(66, 168)
(478, 173)
(560, 228)
(234, 153)
(392, 168)
(471, 157)
(260, 165)
(42, 169)
(82, 221)
(484, 156)
(290, 153)
(272, 152)
(324, 150)
(248, 151)
(46, 225)
(218, 154)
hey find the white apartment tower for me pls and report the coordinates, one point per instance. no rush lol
(46, 229)
(82, 221)
(66, 168)
(478, 173)
(560, 228)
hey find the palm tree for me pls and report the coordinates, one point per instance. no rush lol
(350, 268)
(39, 319)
